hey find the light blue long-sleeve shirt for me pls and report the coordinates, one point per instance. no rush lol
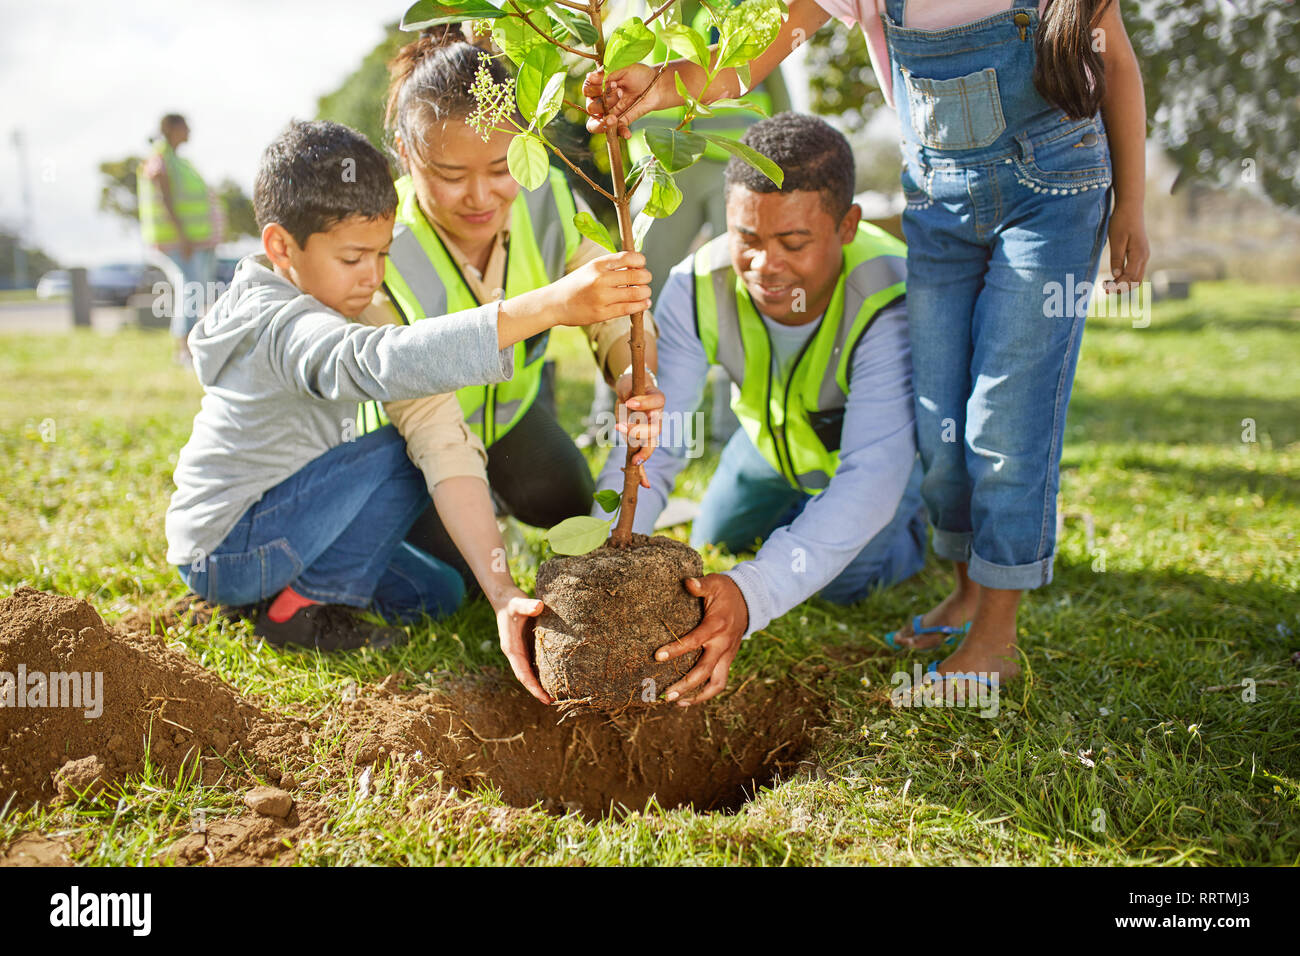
(877, 452)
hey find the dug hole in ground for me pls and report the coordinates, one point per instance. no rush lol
(469, 731)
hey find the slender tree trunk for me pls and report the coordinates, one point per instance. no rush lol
(622, 534)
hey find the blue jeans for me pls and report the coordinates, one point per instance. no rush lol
(199, 269)
(1007, 202)
(334, 531)
(995, 326)
(748, 499)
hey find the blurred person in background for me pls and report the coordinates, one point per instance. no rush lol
(181, 218)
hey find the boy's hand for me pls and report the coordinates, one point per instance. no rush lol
(515, 628)
(641, 420)
(614, 285)
(610, 107)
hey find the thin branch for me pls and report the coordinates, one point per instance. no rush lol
(651, 19)
(585, 177)
(547, 37)
(631, 190)
(660, 72)
(581, 7)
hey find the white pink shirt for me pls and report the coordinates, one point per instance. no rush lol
(917, 15)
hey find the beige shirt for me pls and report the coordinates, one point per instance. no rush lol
(438, 441)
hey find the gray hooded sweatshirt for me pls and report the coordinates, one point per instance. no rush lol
(282, 375)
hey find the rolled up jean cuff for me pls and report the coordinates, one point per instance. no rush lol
(1019, 577)
(952, 545)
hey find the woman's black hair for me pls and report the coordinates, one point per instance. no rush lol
(430, 80)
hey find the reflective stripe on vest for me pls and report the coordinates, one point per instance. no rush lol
(190, 199)
(423, 280)
(795, 421)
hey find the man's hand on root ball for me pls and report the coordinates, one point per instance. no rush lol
(726, 617)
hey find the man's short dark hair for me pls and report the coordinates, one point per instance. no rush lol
(317, 174)
(813, 155)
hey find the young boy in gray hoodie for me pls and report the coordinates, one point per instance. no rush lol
(278, 504)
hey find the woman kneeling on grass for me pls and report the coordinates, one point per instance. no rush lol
(468, 234)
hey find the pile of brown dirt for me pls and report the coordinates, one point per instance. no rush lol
(607, 612)
(82, 702)
(464, 733)
(490, 732)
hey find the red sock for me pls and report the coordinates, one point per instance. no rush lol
(286, 604)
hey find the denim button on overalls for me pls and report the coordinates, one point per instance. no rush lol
(1007, 201)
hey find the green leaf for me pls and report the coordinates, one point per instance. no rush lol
(640, 226)
(675, 149)
(526, 157)
(630, 43)
(739, 104)
(665, 195)
(608, 500)
(431, 13)
(750, 155)
(577, 26)
(742, 71)
(552, 99)
(686, 42)
(578, 535)
(595, 230)
(747, 30)
(517, 38)
(541, 63)
(693, 106)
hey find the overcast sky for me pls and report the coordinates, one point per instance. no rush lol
(88, 81)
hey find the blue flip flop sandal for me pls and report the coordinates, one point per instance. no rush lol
(932, 674)
(952, 633)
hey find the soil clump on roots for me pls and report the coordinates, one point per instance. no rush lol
(607, 612)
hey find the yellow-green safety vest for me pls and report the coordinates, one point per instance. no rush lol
(189, 195)
(423, 281)
(795, 421)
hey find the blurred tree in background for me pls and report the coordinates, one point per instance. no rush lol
(359, 101)
(37, 262)
(1223, 89)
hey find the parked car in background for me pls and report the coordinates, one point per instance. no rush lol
(54, 285)
(112, 284)
(117, 282)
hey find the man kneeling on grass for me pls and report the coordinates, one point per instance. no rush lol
(802, 303)
(278, 504)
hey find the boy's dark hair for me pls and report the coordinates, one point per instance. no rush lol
(317, 174)
(814, 156)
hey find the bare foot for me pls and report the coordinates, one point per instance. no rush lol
(985, 652)
(953, 611)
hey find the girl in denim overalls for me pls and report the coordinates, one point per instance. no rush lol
(1008, 180)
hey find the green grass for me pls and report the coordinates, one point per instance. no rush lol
(1190, 583)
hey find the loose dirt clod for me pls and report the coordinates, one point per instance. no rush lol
(84, 777)
(607, 612)
(84, 702)
(269, 801)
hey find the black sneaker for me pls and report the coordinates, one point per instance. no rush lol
(328, 627)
